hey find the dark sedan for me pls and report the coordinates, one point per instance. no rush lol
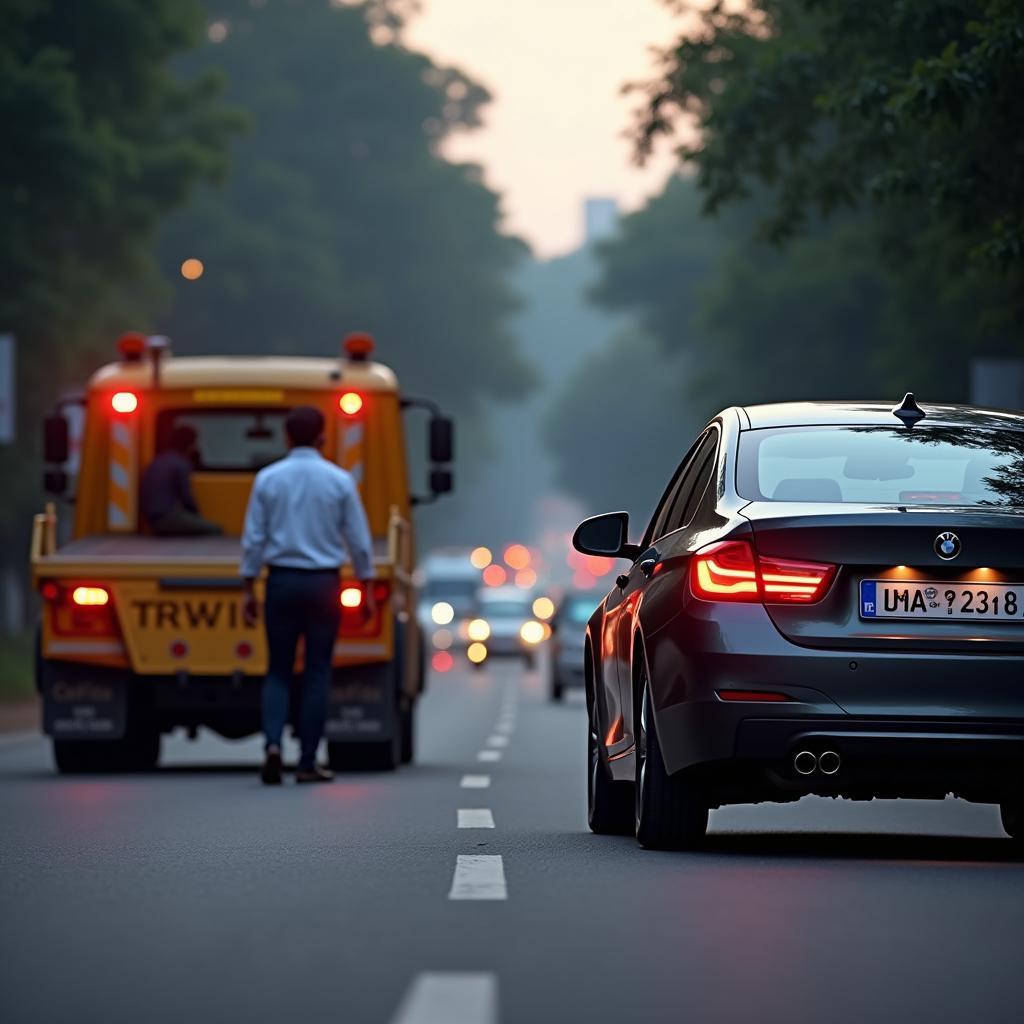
(828, 599)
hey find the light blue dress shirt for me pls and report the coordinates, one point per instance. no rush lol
(304, 513)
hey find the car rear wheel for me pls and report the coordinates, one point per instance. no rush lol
(671, 811)
(609, 803)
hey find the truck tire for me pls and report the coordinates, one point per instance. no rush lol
(382, 756)
(139, 751)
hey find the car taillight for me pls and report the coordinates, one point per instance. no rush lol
(789, 582)
(725, 571)
(730, 571)
(90, 597)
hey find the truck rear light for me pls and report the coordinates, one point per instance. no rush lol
(351, 403)
(725, 571)
(49, 591)
(352, 599)
(124, 402)
(81, 610)
(730, 571)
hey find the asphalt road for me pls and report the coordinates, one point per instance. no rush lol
(194, 894)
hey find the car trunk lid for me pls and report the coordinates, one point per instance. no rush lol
(873, 542)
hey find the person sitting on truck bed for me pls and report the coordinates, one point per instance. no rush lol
(166, 492)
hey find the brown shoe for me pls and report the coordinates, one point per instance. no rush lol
(271, 773)
(314, 774)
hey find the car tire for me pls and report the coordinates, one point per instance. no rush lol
(671, 811)
(557, 689)
(609, 803)
(1012, 813)
(530, 661)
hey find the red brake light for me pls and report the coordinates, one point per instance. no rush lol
(124, 402)
(789, 582)
(49, 591)
(725, 571)
(351, 403)
(131, 346)
(729, 571)
(351, 597)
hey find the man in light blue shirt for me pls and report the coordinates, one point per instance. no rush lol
(304, 520)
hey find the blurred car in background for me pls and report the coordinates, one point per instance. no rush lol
(568, 639)
(506, 617)
(449, 593)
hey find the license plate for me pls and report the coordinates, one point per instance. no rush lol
(925, 599)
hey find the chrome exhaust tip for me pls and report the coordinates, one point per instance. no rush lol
(805, 762)
(828, 762)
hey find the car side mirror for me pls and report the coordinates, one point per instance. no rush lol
(441, 446)
(56, 445)
(605, 536)
(441, 481)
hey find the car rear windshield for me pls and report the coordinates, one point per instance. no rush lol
(229, 440)
(928, 465)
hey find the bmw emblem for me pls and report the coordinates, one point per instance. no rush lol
(947, 546)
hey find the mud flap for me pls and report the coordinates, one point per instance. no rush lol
(83, 705)
(362, 705)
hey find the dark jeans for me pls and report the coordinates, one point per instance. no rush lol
(300, 603)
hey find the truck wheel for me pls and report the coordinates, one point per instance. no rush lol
(384, 756)
(139, 751)
(671, 813)
(407, 725)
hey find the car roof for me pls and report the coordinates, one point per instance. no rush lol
(878, 413)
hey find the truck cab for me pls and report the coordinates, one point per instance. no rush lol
(141, 634)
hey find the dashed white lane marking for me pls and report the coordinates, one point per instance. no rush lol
(505, 728)
(489, 755)
(437, 997)
(475, 781)
(475, 817)
(497, 741)
(478, 877)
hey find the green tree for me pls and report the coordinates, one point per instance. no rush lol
(102, 141)
(828, 103)
(341, 213)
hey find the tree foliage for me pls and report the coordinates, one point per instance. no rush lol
(829, 103)
(340, 212)
(102, 141)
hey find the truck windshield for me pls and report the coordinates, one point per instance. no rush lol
(229, 440)
(929, 465)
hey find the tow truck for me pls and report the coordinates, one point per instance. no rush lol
(143, 634)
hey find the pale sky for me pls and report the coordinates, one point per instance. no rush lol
(554, 131)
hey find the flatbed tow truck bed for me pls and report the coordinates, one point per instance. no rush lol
(136, 554)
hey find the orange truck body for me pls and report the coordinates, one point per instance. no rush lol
(142, 634)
